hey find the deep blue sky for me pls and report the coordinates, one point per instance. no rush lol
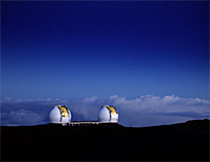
(72, 50)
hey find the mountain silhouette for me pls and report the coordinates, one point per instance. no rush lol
(182, 141)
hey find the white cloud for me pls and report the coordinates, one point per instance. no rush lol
(87, 99)
(146, 110)
(22, 117)
(49, 99)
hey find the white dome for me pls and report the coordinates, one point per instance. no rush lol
(60, 115)
(108, 114)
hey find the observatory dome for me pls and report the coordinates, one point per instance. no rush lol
(60, 115)
(108, 114)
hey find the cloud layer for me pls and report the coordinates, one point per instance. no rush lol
(143, 111)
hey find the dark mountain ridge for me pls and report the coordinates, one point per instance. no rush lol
(182, 141)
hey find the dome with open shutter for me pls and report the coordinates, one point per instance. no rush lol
(60, 115)
(108, 114)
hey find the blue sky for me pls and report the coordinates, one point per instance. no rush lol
(75, 50)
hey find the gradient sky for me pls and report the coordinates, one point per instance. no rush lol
(73, 50)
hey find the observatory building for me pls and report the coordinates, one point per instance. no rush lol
(62, 115)
(108, 114)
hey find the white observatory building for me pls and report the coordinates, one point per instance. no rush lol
(61, 115)
(108, 114)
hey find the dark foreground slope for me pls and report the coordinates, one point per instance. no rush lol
(187, 141)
